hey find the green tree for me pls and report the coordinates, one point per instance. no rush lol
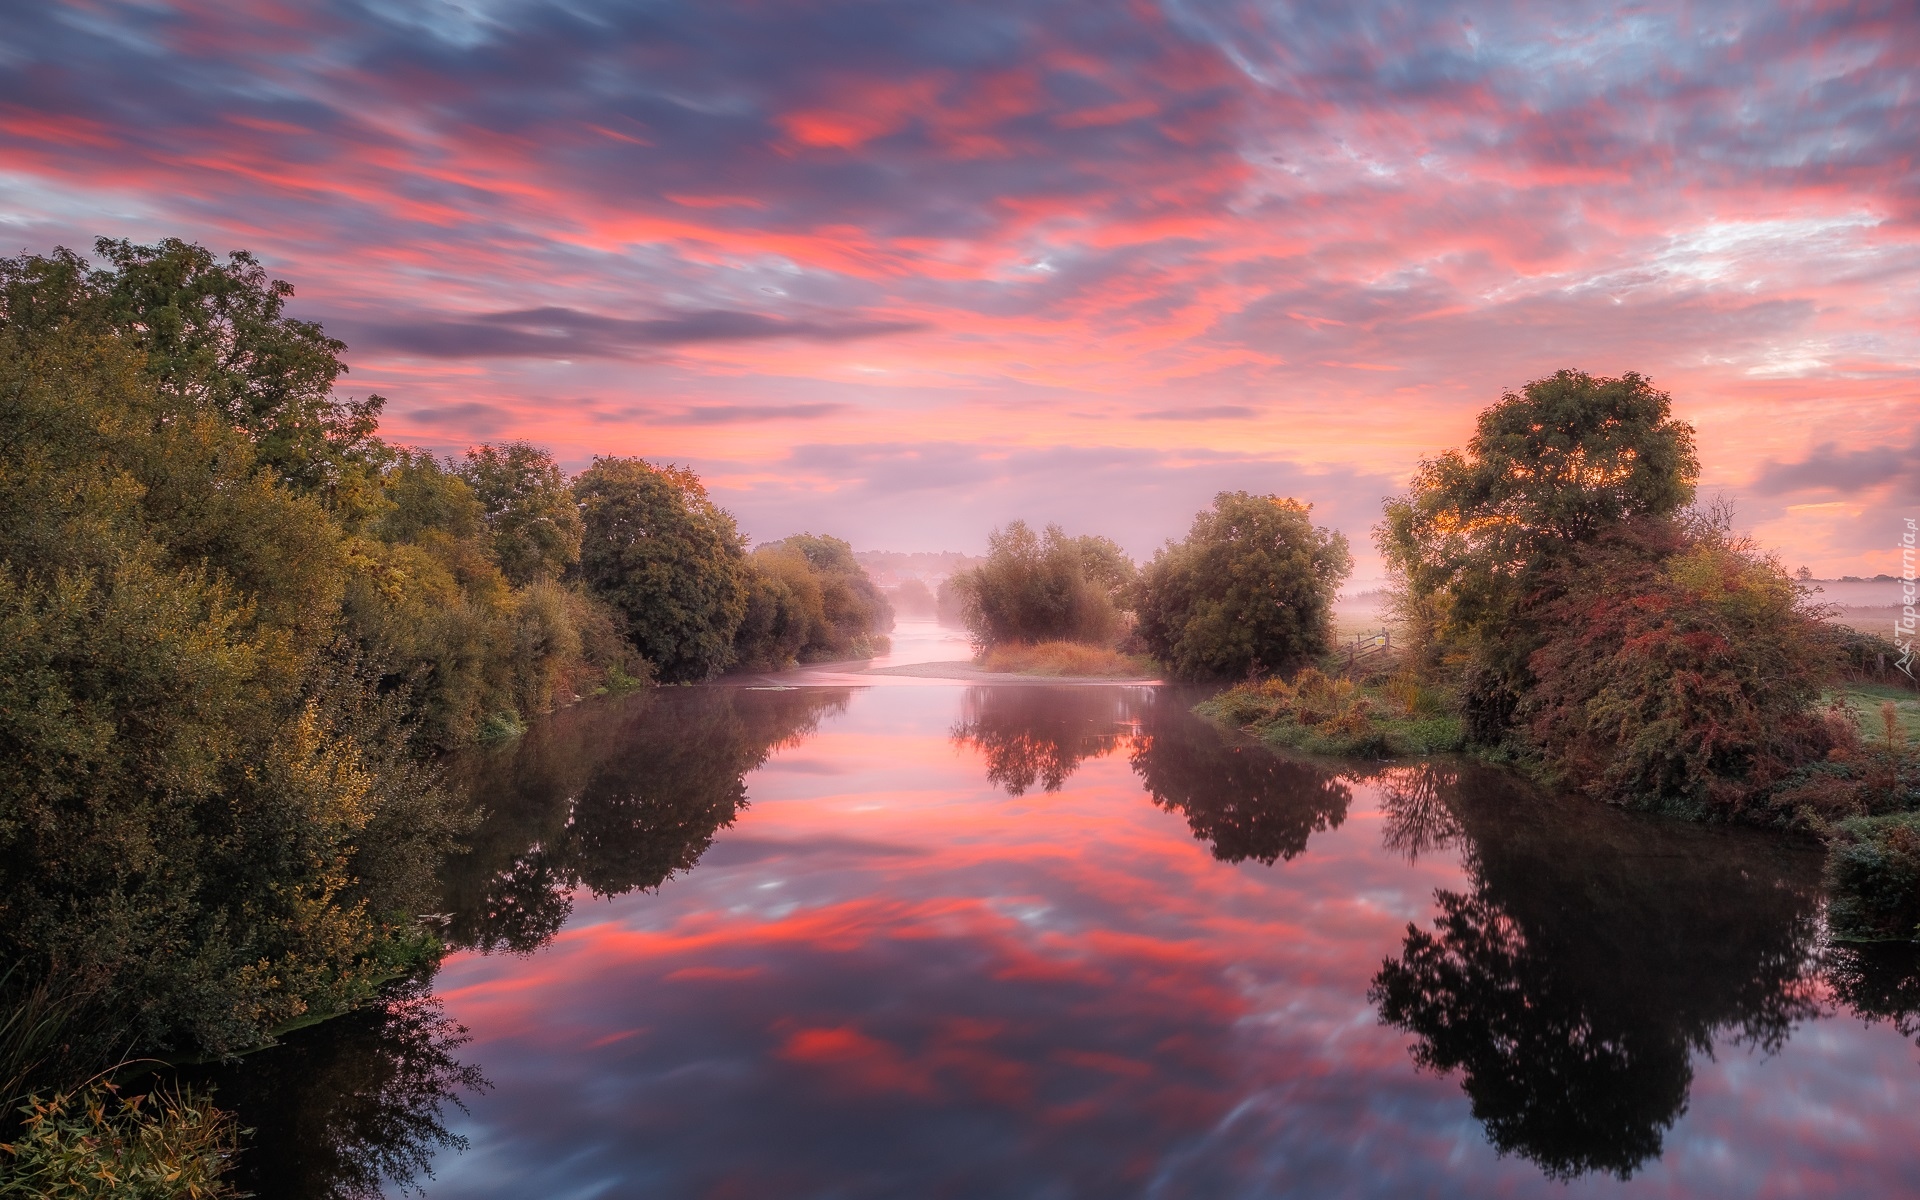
(1250, 589)
(668, 558)
(1549, 469)
(852, 610)
(1035, 588)
(215, 337)
(209, 825)
(528, 508)
(785, 608)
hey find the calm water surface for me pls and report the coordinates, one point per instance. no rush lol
(899, 938)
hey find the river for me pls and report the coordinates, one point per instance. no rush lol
(835, 934)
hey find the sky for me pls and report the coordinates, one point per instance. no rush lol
(904, 271)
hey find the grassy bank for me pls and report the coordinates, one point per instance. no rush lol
(1064, 659)
(1322, 714)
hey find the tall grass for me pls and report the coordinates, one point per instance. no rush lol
(1062, 658)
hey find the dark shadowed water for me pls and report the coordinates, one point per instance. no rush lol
(920, 939)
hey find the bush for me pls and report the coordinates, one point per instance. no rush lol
(1680, 671)
(1249, 591)
(1039, 588)
(1325, 715)
(209, 825)
(809, 601)
(1873, 878)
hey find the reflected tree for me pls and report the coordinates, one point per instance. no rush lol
(1593, 956)
(1041, 735)
(614, 800)
(1418, 819)
(345, 1107)
(1877, 981)
(1243, 799)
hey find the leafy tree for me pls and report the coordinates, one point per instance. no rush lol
(1036, 588)
(208, 823)
(528, 508)
(668, 558)
(214, 336)
(1251, 589)
(1549, 469)
(809, 601)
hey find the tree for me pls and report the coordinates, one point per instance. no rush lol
(209, 823)
(1250, 589)
(1549, 468)
(528, 508)
(214, 336)
(1034, 588)
(668, 558)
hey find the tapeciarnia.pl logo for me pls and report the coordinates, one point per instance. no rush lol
(1903, 625)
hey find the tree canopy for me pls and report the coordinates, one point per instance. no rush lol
(1042, 587)
(668, 558)
(1250, 589)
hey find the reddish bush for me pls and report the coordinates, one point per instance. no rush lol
(1681, 671)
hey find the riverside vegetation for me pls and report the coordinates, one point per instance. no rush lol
(238, 626)
(1564, 606)
(235, 628)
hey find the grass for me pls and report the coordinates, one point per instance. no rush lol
(1063, 659)
(1320, 714)
(161, 1145)
(1869, 703)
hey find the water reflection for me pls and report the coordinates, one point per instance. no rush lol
(889, 978)
(613, 798)
(1243, 800)
(1877, 982)
(340, 1108)
(1030, 735)
(1592, 958)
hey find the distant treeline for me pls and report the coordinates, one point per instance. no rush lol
(235, 623)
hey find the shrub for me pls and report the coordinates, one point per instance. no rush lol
(1873, 878)
(1325, 715)
(1051, 587)
(1249, 591)
(1680, 671)
(809, 601)
(209, 825)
